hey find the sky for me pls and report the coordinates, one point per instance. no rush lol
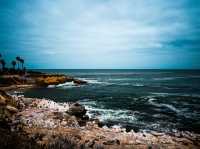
(101, 34)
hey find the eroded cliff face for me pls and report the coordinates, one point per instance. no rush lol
(42, 123)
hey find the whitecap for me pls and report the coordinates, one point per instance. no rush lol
(138, 85)
(126, 79)
(64, 85)
(177, 94)
(160, 105)
(51, 86)
(95, 81)
(110, 114)
(167, 78)
(132, 84)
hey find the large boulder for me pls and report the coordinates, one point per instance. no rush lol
(2, 100)
(8, 106)
(11, 109)
(77, 110)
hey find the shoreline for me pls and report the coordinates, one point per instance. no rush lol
(41, 117)
(48, 124)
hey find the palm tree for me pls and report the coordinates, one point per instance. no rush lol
(0, 59)
(22, 62)
(14, 64)
(3, 63)
(18, 61)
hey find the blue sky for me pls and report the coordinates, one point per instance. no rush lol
(101, 33)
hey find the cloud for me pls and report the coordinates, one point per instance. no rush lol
(98, 30)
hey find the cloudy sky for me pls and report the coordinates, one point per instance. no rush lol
(101, 33)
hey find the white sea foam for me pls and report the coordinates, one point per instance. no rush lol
(126, 79)
(177, 94)
(107, 114)
(167, 78)
(138, 84)
(64, 85)
(160, 105)
(51, 86)
(95, 81)
(132, 84)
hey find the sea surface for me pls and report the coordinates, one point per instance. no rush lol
(142, 100)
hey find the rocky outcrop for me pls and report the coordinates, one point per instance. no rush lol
(36, 79)
(45, 80)
(79, 82)
(8, 108)
(43, 123)
(77, 110)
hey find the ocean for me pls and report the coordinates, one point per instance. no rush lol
(142, 100)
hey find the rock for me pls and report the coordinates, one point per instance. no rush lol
(156, 133)
(90, 143)
(79, 82)
(11, 109)
(112, 142)
(83, 120)
(2, 100)
(97, 122)
(77, 110)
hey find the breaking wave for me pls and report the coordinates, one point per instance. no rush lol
(64, 85)
(160, 105)
(105, 115)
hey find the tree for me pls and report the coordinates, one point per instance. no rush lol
(22, 62)
(18, 61)
(3, 63)
(0, 59)
(14, 64)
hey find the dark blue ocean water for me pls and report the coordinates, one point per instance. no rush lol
(161, 100)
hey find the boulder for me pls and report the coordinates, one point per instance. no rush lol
(79, 82)
(2, 100)
(77, 110)
(11, 109)
(112, 142)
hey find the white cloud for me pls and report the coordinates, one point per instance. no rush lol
(99, 30)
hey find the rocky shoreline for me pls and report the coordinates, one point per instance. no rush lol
(29, 80)
(42, 123)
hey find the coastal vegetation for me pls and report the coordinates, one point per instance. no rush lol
(6, 70)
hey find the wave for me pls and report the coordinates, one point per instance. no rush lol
(167, 78)
(177, 94)
(64, 85)
(127, 79)
(132, 84)
(107, 114)
(96, 81)
(160, 105)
